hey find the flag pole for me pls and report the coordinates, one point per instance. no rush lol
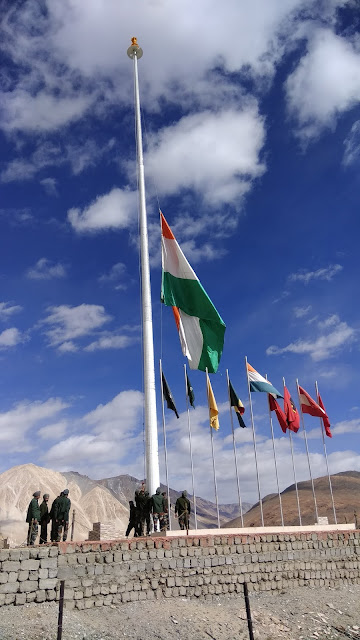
(275, 463)
(254, 443)
(151, 436)
(235, 452)
(190, 447)
(165, 448)
(212, 451)
(307, 452)
(293, 466)
(326, 457)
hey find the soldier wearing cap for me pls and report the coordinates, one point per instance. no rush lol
(62, 515)
(44, 518)
(33, 518)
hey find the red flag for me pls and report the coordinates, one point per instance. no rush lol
(325, 419)
(308, 405)
(274, 406)
(291, 412)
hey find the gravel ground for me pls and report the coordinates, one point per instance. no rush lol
(301, 614)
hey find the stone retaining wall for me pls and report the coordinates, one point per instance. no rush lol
(104, 573)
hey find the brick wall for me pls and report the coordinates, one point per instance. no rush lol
(104, 573)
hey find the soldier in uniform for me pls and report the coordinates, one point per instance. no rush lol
(164, 520)
(157, 507)
(182, 510)
(62, 515)
(53, 518)
(141, 500)
(133, 519)
(33, 518)
(44, 518)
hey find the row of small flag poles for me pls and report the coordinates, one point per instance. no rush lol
(288, 417)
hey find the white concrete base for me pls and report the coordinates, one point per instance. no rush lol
(314, 528)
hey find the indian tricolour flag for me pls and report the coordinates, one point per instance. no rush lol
(201, 329)
(258, 383)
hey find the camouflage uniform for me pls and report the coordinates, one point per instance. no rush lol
(62, 516)
(32, 518)
(182, 508)
(158, 508)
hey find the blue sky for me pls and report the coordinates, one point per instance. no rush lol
(252, 149)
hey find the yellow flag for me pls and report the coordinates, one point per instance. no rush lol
(213, 410)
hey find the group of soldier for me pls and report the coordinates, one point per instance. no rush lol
(39, 514)
(151, 513)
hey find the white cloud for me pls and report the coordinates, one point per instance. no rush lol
(325, 83)
(347, 426)
(49, 185)
(53, 431)
(326, 273)
(15, 423)
(7, 309)
(44, 269)
(352, 145)
(114, 210)
(301, 312)
(10, 338)
(215, 154)
(115, 276)
(324, 346)
(67, 323)
(111, 341)
(114, 433)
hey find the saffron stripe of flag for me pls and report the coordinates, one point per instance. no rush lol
(213, 409)
(201, 328)
(259, 383)
(238, 406)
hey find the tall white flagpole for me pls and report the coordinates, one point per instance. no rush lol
(190, 447)
(326, 458)
(235, 452)
(212, 452)
(293, 466)
(307, 452)
(275, 463)
(151, 436)
(254, 443)
(165, 447)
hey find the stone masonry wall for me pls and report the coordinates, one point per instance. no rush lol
(104, 573)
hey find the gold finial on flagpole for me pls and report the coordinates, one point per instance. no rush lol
(134, 49)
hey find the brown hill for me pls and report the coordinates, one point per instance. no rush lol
(346, 491)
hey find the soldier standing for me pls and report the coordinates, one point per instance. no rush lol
(158, 508)
(164, 520)
(44, 518)
(62, 515)
(33, 518)
(182, 510)
(133, 519)
(53, 518)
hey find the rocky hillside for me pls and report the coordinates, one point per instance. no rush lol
(94, 501)
(346, 491)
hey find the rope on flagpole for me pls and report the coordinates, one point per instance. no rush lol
(275, 463)
(254, 444)
(307, 452)
(165, 448)
(326, 457)
(190, 447)
(235, 452)
(293, 466)
(212, 450)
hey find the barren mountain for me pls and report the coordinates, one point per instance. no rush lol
(18, 484)
(346, 491)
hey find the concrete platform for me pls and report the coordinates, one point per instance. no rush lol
(251, 530)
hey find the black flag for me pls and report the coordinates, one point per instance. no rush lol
(190, 392)
(238, 406)
(168, 396)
